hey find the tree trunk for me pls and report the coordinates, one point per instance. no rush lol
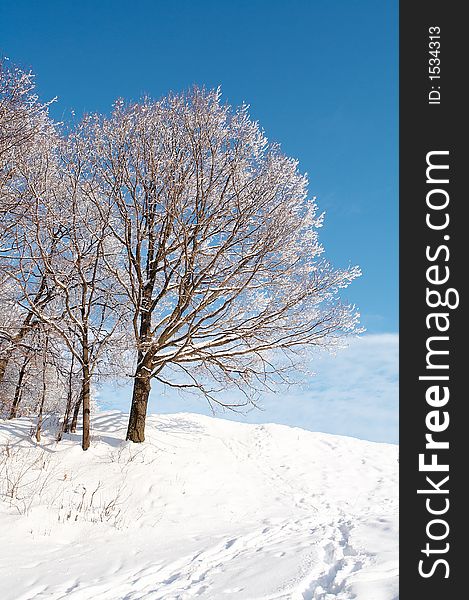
(76, 410)
(138, 411)
(68, 409)
(39, 421)
(65, 422)
(86, 395)
(44, 393)
(142, 380)
(86, 412)
(18, 390)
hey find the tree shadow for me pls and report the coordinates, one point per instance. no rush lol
(20, 432)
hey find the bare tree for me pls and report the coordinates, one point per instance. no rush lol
(71, 218)
(26, 134)
(220, 259)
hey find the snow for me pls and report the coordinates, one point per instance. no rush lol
(205, 508)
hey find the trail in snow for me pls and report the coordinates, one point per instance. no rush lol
(206, 508)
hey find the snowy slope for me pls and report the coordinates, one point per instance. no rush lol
(206, 508)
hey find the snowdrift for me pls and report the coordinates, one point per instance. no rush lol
(205, 508)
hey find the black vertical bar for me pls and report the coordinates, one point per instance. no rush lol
(433, 118)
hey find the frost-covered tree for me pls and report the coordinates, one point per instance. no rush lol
(220, 260)
(58, 317)
(23, 121)
(173, 223)
(67, 239)
(26, 136)
(34, 384)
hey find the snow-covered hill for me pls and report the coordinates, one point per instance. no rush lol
(206, 508)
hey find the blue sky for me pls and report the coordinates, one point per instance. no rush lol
(320, 76)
